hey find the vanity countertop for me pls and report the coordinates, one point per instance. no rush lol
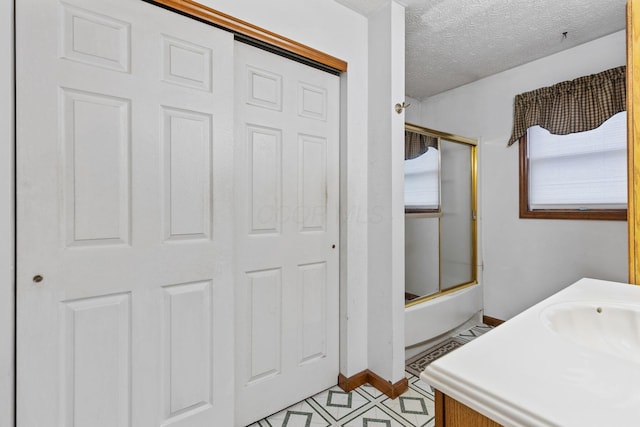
(523, 373)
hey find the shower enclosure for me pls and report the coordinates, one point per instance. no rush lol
(440, 233)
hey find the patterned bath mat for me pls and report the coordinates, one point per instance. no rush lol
(416, 364)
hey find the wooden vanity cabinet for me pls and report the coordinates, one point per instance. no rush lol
(451, 413)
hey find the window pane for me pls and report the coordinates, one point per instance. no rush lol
(581, 170)
(421, 183)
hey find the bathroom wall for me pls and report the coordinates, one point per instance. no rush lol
(6, 214)
(525, 260)
(386, 193)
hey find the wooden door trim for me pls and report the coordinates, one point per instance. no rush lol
(211, 16)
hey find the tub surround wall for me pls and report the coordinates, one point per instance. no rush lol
(527, 260)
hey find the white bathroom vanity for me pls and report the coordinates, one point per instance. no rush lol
(570, 360)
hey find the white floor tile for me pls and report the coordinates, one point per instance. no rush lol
(366, 406)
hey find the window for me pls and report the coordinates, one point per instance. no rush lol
(422, 183)
(576, 176)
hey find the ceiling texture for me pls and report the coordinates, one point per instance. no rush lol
(450, 43)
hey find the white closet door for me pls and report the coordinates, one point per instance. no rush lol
(287, 136)
(124, 201)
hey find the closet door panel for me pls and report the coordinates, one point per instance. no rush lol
(286, 166)
(124, 216)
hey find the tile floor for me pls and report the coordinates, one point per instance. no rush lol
(365, 406)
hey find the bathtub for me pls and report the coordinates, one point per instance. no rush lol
(427, 322)
(570, 360)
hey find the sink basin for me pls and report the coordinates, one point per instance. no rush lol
(609, 328)
(573, 359)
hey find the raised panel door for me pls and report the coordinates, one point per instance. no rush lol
(124, 206)
(286, 162)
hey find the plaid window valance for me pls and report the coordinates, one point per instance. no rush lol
(416, 144)
(573, 106)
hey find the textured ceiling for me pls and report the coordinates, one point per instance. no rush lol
(453, 42)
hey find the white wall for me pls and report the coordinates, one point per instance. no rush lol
(527, 260)
(343, 33)
(6, 214)
(413, 113)
(386, 193)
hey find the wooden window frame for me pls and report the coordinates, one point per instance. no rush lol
(527, 213)
(412, 210)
